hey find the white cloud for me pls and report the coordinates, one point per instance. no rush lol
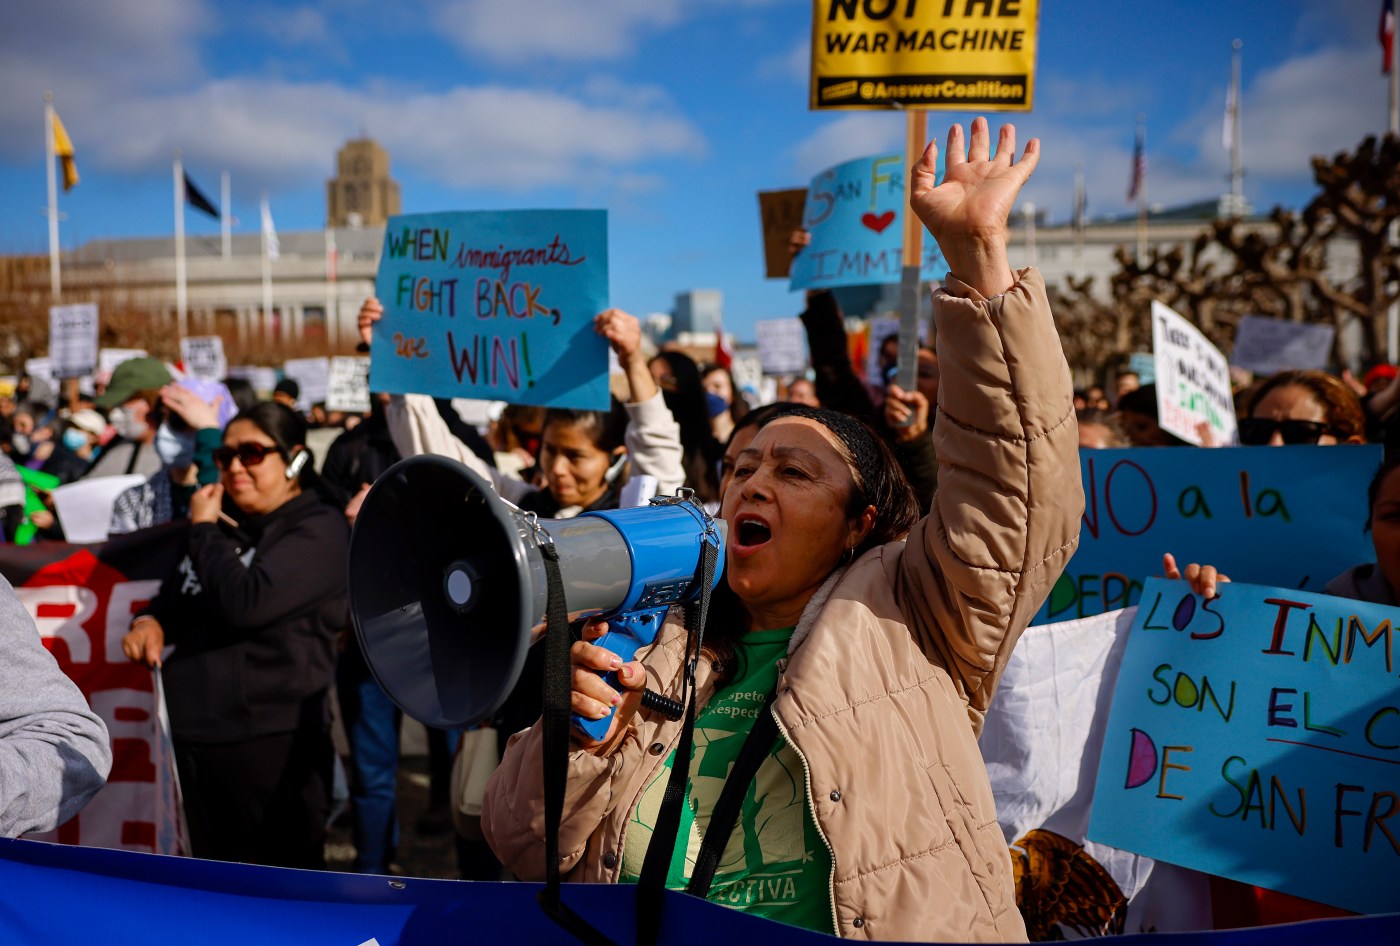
(853, 135)
(283, 134)
(522, 30)
(793, 65)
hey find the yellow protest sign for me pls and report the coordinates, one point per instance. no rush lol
(946, 54)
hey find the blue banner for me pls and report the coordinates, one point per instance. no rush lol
(62, 896)
(494, 305)
(855, 215)
(1289, 516)
(1256, 736)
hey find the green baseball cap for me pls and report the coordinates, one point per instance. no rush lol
(131, 377)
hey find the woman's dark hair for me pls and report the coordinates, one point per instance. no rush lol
(607, 429)
(1388, 466)
(287, 428)
(241, 390)
(701, 452)
(1345, 418)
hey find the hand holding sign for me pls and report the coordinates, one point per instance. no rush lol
(967, 213)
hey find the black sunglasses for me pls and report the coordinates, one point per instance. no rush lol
(1258, 431)
(249, 454)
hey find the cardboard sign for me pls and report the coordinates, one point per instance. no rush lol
(348, 386)
(782, 346)
(1256, 736)
(1277, 515)
(496, 306)
(312, 376)
(203, 357)
(781, 213)
(109, 358)
(73, 339)
(963, 56)
(855, 214)
(1193, 380)
(1268, 346)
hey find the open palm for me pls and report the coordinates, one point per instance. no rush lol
(978, 190)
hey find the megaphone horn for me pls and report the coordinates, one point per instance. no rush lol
(448, 587)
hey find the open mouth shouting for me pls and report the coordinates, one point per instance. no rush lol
(749, 533)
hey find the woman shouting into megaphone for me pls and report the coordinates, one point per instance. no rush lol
(872, 641)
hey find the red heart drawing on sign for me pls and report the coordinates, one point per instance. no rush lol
(879, 223)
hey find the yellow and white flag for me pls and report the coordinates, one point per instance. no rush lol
(63, 150)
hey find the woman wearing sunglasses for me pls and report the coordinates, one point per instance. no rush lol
(1303, 407)
(252, 609)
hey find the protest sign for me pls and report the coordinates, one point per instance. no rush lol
(494, 305)
(855, 215)
(42, 369)
(782, 346)
(747, 370)
(781, 214)
(84, 507)
(73, 339)
(1255, 736)
(109, 358)
(347, 388)
(312, 376)
(1282, 515)
(1193, 381)
(1144, 366)
(1268, 346)
(923, 54)
(262, 378)
(203, 357)
(82, 599)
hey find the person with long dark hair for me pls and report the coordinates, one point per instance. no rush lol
(252, 609)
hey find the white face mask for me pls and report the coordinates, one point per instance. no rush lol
(20, 444)
(126, 425)
(172, 448)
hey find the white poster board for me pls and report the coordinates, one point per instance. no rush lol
(1268, 346)
(109, 358)
(262, 378)
(313, 376)
(748, 375)
(203, 357)
(84, 508)
(348, 387)
(73, 339)
(782, 346)
(1193, 381)
(41, 368)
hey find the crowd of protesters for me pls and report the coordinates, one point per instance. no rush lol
(254, 639)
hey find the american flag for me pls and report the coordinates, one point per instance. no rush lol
(1139, 168)
(1386, 35)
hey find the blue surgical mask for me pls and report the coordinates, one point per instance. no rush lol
(715, 404)
(75, 439)
(172, 448)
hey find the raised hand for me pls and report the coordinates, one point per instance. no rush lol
(967, 213)
(370, 312)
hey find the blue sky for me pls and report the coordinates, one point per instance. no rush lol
(669, 114)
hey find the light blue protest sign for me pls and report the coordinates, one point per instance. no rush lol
(1256, 736)
(1290, 516)
(855, 215)
(495, 305)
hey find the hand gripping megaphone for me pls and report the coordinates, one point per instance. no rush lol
(448, 587)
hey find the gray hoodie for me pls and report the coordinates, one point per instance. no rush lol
(54, 751)
(1362, 583)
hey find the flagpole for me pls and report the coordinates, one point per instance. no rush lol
(55, 280)
(1394, 98)
(1142, 195)
(1236, 145)
(225, 214)
(266, 275)
(181, 301)
(1079, 221)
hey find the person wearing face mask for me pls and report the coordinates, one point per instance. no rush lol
(77, 447)
(131, 396)
(189, 422)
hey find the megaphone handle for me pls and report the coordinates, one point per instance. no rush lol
(626, 633)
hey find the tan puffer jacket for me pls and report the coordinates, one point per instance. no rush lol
(893, 664)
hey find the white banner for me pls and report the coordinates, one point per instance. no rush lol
(313, 376)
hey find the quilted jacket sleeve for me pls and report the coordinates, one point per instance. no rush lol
(1005, 519)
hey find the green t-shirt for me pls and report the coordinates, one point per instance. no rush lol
(775, 865)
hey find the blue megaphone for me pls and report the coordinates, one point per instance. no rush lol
(448, 587)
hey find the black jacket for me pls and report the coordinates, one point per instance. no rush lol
(252, 614)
